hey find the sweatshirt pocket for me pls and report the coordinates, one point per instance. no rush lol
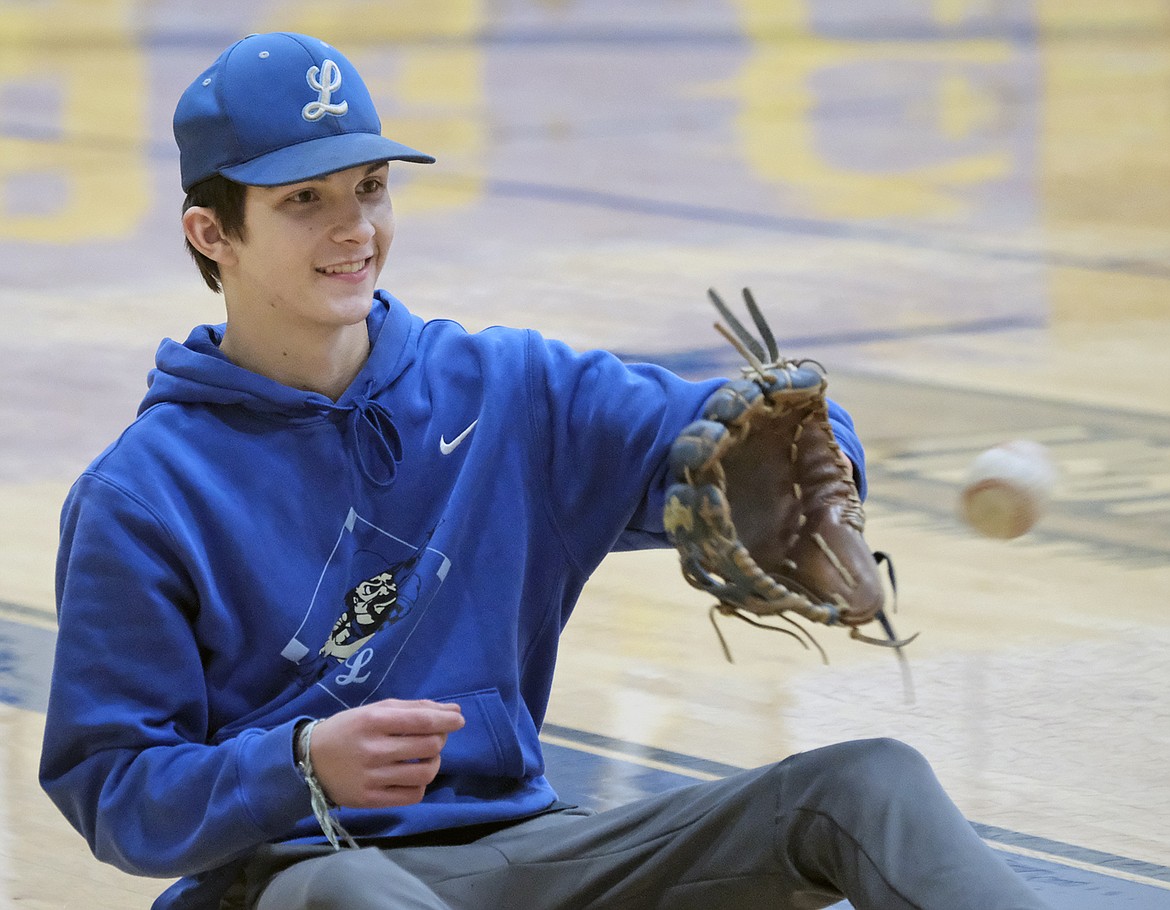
(491, 743)
(495, 741)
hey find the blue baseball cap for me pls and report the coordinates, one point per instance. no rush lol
(276, 109)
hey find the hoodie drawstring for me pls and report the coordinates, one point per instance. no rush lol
(376, 441)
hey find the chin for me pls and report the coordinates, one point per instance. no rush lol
(355, 303)
(358, 310)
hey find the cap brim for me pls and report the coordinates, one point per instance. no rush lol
(319, 157)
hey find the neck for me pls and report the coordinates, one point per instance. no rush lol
(325, 362)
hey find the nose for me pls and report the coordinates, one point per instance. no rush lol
(352, 223)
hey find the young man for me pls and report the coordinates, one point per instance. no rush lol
(310, 599)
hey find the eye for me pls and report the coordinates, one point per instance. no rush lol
(371, 185)
(304, 196)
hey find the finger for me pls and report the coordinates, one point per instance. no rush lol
(398, 784)
(391, 797)
(395, 720)
(421, 703)
(444, 706)
(390, 750)
(415, 772)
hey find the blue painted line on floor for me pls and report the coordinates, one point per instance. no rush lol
(1068, 851)
(26, 662)
(638, 751)
(815, 227)
(703, 361)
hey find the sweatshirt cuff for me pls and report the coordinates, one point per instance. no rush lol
(271, 786)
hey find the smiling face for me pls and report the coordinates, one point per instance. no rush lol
(311, 252)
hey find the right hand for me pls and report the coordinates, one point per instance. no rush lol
(383, 754)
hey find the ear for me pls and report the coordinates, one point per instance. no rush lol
(201, 225)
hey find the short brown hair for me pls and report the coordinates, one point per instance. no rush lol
(226, 198)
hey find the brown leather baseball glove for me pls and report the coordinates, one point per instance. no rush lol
(764, 510)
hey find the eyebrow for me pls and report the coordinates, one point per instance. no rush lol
(376, 166)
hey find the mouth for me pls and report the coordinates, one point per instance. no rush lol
(346, 268)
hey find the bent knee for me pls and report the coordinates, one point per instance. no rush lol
(873, 766)
(869, 767)
(883, 752)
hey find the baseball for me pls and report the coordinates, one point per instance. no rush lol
(1007, 489)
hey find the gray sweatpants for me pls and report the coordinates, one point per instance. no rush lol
(865, 820)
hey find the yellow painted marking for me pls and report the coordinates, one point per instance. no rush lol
(777, 125)
(70, 71)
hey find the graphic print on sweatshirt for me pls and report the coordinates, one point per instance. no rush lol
(374, 592)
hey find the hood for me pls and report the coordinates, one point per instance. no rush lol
(197, 373)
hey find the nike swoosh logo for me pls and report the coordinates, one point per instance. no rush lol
(448, 447)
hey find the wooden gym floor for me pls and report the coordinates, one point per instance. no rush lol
(960, 207)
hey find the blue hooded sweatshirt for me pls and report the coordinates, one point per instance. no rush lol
(247, 555)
